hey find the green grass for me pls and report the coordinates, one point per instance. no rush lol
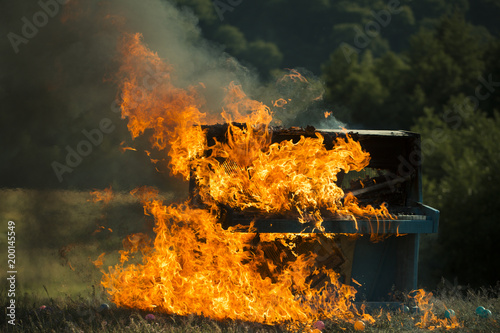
(56, 238)
(56, 243)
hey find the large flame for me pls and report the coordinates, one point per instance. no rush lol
(151, 101)
(194, 265)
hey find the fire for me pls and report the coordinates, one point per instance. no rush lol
(124, 148)
(193, 265)
(151, 101)
(105, 195)
(295, 76)
(280, 102)
(286, 177)
(99, 261)
(428, 319)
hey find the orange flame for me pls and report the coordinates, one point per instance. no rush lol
(105, 195)
(101, 228)
(294, 75)
(428, 319)
(150, 100)
(124, 149)
(195, 266)
(280, 102)
(100, 260)
(286, 177)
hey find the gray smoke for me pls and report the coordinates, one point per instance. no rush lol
(59, 60)
(58, 82)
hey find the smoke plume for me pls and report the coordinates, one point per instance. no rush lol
(59, 90)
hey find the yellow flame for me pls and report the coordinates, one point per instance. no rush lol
(428, 319)
(193, 265)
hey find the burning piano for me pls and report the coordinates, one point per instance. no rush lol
(369, 230)
(284, 225)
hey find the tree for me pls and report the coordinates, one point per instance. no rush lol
(391, 91)
(425, 9)
(492, 75)
(203, 9)
(232, 38)
(263, 55)
(460, 166)
(485, 13)
(448, 60)
(371, 89)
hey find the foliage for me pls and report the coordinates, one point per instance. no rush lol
(370, 88)
(232, 38)
(396, 88)
(263, 55)
(204, 9)
(460, 173)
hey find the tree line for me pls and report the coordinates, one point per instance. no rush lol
(428, 66)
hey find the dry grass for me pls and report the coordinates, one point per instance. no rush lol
(82, 314)
(56, 243)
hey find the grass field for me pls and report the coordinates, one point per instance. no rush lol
(60, 233)
(83, 314)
